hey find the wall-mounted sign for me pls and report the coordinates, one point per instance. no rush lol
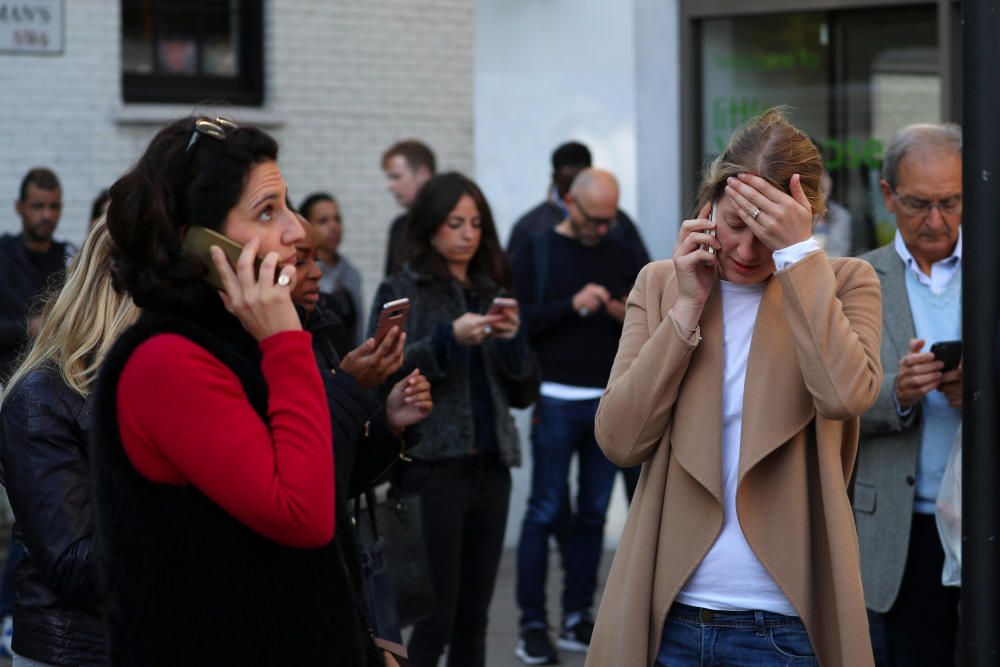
(31, 26)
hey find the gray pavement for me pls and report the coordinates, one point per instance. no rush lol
(502, 636)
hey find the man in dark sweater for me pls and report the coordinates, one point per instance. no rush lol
(568, 160)
(407, 165)
(28, 260)
(572, 282)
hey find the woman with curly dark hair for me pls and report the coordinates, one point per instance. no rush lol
(214, 473)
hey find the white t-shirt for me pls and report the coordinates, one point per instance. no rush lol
(731, 577)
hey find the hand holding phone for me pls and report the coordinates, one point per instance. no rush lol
(696, 269)
(472, 328)
(263, 307)
(507, 311)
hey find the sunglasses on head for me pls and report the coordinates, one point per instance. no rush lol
(218, 129)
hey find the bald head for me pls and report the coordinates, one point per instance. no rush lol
(592, 203)
(597, 188)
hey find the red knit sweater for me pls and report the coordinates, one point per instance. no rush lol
(185, 419)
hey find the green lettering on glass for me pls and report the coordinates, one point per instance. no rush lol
(852, 154)
(770, 61)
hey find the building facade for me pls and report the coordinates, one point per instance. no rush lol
(336, 82)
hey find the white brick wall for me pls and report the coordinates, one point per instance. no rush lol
(344, 80)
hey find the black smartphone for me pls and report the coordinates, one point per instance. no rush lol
(949, 352)
(197, 245)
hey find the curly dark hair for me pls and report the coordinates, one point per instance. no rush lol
(175, 184)
(437, 198)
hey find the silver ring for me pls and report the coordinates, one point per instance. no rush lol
(755, 213)
(487, 330)
(284, 280)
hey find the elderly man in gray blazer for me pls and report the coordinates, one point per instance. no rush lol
(907, 435)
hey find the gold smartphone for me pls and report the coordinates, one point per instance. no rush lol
(393, 314)
(197, 245)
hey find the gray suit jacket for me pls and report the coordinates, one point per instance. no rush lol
(885, 476)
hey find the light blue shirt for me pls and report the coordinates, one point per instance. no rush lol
(558, 201)
(942, 271)
(936, 307)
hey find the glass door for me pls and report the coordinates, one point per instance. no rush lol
(850, 78)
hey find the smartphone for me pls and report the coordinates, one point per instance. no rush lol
(197, 245)
(711, 216)
(949, 352)
(393, 314)
(500, 304)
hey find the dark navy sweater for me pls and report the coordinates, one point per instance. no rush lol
(571, 349)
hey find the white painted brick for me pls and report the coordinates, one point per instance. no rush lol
(347, 78)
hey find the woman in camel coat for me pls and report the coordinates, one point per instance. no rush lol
(739, 381)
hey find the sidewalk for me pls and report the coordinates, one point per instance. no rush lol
(502, 636)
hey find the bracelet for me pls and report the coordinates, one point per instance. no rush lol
(691, 333)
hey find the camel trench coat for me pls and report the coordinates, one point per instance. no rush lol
(813, 369)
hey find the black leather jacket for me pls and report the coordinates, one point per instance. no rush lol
(365, 449)
(43, 451)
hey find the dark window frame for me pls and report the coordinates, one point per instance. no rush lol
(246, 88)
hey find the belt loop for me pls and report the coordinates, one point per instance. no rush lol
(758, 617)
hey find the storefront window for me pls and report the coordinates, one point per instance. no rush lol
(850, 79)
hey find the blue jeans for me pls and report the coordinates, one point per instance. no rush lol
(561, 429)
(694, 637)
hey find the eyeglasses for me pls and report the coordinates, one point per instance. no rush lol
(950, 205)
(596, 222)
(218, 129)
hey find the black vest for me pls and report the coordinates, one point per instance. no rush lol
(187, 584)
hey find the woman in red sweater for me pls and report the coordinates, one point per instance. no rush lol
(214, 475)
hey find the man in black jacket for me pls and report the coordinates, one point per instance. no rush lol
(568, 160)
(29, 260)
(571, 281)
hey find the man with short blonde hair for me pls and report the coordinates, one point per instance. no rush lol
(407, 165)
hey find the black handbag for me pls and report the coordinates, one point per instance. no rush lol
(523, 393)
(394, 562)
(379, 598)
